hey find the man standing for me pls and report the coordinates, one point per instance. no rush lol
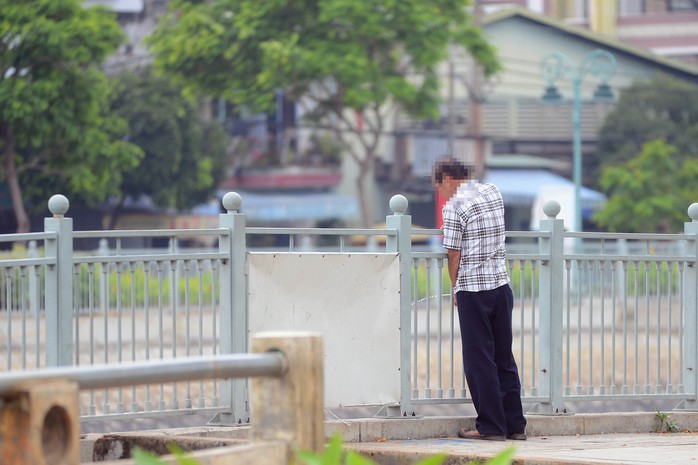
(473, 227)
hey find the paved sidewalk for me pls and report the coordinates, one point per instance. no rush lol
(623, 448)
(579, 439)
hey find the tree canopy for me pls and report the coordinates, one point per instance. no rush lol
(185, 155)
(661, 108)
(330, 55)
(651, 192)
(54, 100)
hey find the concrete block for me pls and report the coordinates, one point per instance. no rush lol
(635, 422)
(554, 425)
(39, 423)
(350, 431)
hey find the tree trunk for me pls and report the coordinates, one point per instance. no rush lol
(361, 190)
(116, 212)
(13, 182)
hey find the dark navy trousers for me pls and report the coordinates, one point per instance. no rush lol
(490, 368)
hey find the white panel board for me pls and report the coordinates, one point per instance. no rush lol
(353, 300)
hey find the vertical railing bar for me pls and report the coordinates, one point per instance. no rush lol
(200, 272)
(132, 267)
(187, 327)
(591, 264)
(291, 242)
(91, 312)
(568, 343)
(77, 300)
(657, 387)
(602, 270)
(534, 378)
(174, 308)
(23, 303)
(105, 312)
(669, 386)
(624, 276)
(578, 266)
(682, 310)
(214, 311)
(522, 343)
(614, 284)
(439, 306)
(8, 307)
(648, 271)
(415, 385)
(452, 322)
(161, 318)
(147, 267)
(427, 388)
(119, 335)
(636, 385)
(37, 315)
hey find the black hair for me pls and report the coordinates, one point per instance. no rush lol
(449, 166)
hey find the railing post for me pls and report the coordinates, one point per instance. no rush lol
(290, 408)
(690, 306)
(402, 244)
(551, 283)
(59, 285)
(233, 305)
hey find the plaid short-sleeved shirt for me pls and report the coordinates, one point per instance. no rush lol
(474, 224)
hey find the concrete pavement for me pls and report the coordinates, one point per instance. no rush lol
(579, 439)
(613, 448)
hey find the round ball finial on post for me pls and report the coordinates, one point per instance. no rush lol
(398, 204)
(693, 212)
(551, 209)
(58, 205)
(232, 202)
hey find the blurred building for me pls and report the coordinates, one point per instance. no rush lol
(668, 28)
(502, 125)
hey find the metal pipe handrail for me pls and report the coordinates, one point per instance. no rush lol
(120, 233)
(161, 371)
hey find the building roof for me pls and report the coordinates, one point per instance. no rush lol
(608, 42)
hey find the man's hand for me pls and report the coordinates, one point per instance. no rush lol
(453, 257)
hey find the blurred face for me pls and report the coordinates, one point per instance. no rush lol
(447, 187)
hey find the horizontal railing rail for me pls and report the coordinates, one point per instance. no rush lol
(161, 371)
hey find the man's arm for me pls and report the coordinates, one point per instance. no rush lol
(453, 256)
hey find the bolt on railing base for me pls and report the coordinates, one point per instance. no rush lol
(394, 411)
(543, 408)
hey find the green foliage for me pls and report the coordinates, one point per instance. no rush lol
(336, 55)
(649, 193)
(641, 278)
(185, 157)
(244, 50)
(54, 98)
(523, 280)
(335, 455)
(128, 287)
(143, 457)
(662, 108)
(666, 424)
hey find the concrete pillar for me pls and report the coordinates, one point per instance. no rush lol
(39, 424)
(290, 408)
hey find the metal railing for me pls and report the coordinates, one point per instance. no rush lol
(597, 316)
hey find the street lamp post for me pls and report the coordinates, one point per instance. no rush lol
(556, 66)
